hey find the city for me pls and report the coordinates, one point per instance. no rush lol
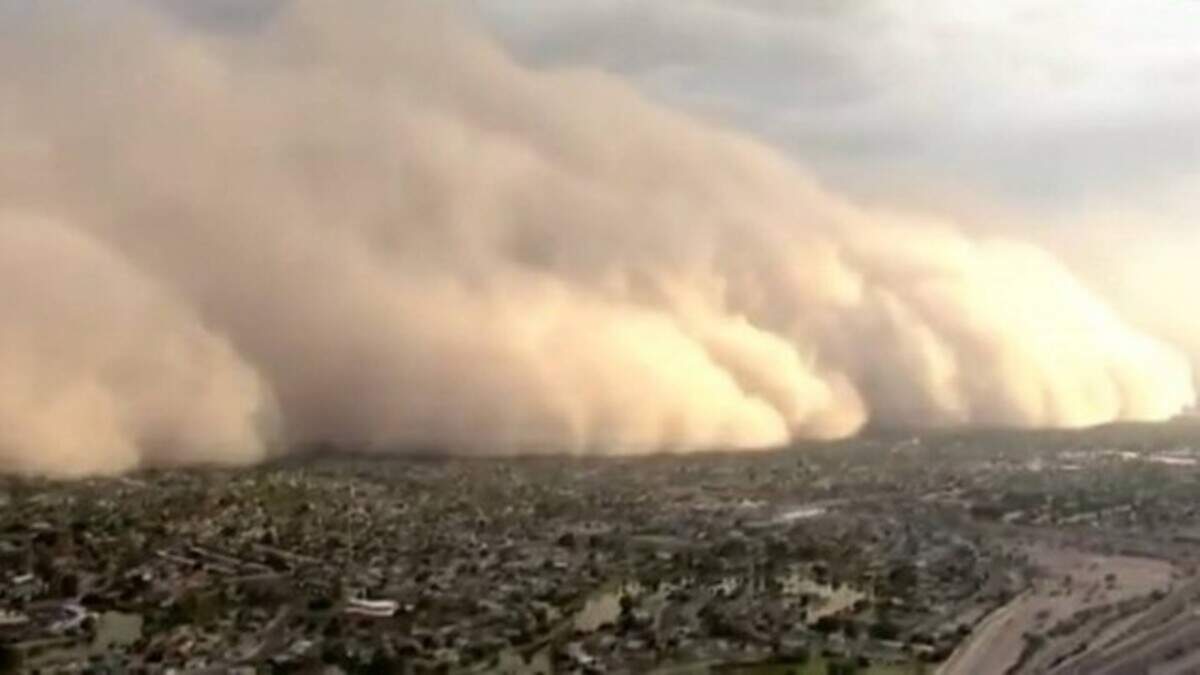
(952, 552)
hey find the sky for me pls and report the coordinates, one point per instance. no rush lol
(587, 227)
(1076, 124)
(1066, 120)
(1041, 106)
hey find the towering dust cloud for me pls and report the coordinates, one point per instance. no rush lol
(364, 223)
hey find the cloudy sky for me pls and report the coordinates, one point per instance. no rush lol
(1074, 116)
(1036, 105)
(586, 225)
(1074, 123)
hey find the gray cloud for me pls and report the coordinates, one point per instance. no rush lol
(1034, 102)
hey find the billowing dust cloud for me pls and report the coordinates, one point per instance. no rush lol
(363, 223)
